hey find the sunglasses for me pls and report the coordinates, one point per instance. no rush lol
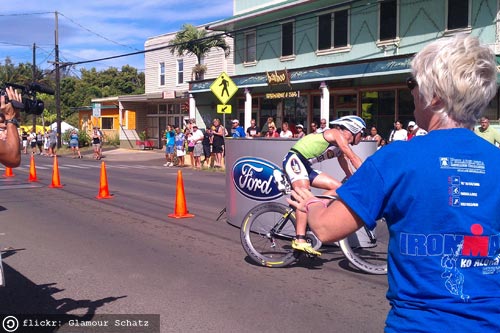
(411, 83)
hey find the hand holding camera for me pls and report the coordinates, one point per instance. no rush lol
(11, 103)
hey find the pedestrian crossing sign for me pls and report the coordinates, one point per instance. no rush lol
(223, 108)
(224, 88)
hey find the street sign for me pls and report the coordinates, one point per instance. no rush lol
(96, 110)
(223, 88)
(223, 108)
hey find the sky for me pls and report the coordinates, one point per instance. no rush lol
(94, 29)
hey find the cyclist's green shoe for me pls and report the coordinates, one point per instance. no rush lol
(305, 247)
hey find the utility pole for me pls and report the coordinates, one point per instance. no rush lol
(33, 78)
(58, 85)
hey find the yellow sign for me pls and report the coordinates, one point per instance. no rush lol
(223, 88)
(223, 108)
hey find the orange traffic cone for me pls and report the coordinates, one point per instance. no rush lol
(180, 210)
(103, 186)
(8, 172)
(56, 181)
(32, 177)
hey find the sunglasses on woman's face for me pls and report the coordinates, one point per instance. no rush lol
(411, 83)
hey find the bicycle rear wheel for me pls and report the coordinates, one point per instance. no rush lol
(367, 250)
(266, 235)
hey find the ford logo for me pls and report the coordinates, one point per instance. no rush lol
(253, 178)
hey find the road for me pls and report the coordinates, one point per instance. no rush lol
(66, 252)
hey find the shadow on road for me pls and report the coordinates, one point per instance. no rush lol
(21, 296)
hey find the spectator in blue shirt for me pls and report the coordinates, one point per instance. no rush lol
(237, 131)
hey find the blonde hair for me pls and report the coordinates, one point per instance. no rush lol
(461, 73)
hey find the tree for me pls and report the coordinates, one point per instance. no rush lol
(197, 42)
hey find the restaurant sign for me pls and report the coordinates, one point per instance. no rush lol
(278, 78)
(283, 94)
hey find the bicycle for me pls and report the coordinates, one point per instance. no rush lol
(268, 229)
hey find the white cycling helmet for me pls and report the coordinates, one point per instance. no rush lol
(353, 124)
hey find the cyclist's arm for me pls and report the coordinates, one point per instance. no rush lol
(331, 223)
(336, 137)
(345, 166)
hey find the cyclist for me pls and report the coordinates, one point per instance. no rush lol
(317, 147)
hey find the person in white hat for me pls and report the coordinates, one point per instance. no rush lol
(237, 131)
(414, 130)
(300, 131)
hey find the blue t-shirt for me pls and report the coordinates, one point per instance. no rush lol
(238, 132)
(179, 140)
(170, 136)
(440, 196)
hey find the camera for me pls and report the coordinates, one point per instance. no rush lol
(30, 104)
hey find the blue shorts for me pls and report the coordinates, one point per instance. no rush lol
(169, 149)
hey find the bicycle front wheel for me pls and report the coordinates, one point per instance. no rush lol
(266, 235)
(367, 250)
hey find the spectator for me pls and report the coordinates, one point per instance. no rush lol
(398, 133)
(218, 142)
(190, 143)
(322, 126)
(237, 131)
(373, 136)
(73, 144)
(382, 143)
(415, 130)
(24, 139)
(39, 142)
(300, 131)
(314, 127)
(53, 143)
(96, 143)
(169, 140)
(265, 128)
(272, 132)
(285, 131)
(253, 130)
(207, 146)
(439, 195)
(198, 146)
(32, 141)
(487, 132)
(179, 146)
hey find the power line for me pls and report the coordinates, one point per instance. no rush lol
(97, 34)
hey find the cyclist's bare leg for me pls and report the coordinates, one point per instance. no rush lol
(323, 181)
(301, 217)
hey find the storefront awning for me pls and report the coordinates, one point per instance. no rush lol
(335, 72)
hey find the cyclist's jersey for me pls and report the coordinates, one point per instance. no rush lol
(314, 148)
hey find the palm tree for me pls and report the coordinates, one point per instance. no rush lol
(198, 42)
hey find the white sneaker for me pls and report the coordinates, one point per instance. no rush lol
(166, 164)
(170, 164)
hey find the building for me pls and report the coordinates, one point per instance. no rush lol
(300, 61)
(166, 99)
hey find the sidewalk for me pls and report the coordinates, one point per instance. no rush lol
(155, 156)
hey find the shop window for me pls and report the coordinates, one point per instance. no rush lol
(107, 123)
(250, 47)
(333, 30)
(378, 109)
(388, 20)
(287, 45)
(458, 14)
(162, 73)
(162, 109)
